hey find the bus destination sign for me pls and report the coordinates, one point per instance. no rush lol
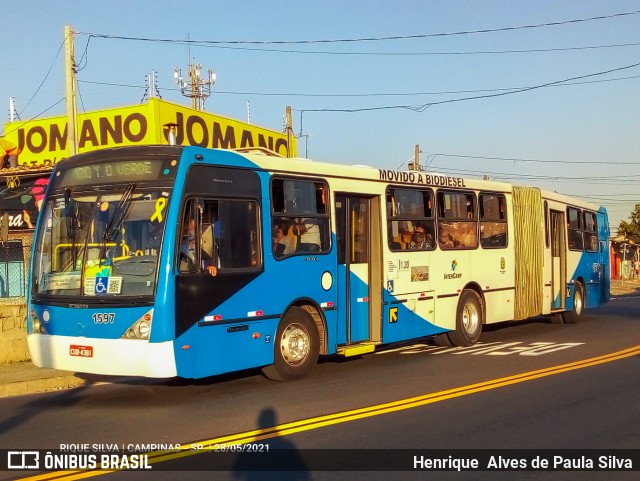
(112, 172)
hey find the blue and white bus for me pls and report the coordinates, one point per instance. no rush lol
(165, 261)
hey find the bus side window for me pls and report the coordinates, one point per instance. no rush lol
(457, 220)
(410, 221)
(590, 232)
(493, 221)
(303, 205)
(574, 229)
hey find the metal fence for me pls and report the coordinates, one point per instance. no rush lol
(14, 265)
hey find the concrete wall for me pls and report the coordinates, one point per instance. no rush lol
(13, 311)
(13, 333)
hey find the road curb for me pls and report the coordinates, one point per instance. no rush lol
(31, 386)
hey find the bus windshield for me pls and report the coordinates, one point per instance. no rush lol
(100, 244)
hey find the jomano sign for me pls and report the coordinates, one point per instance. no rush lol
(44, 141)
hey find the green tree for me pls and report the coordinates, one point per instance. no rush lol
(631, 230)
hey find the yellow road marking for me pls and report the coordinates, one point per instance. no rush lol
(352, 415)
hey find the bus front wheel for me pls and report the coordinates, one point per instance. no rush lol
(573, 316)
(297, 346)
(469, 320)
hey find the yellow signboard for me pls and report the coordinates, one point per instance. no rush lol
(44, 141)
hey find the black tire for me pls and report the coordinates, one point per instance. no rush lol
(469, 320)
(442, 340)
(297, 346)
(556, 319)
(573, 316)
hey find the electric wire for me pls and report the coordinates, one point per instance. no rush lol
(365, 39)
(45, 77)
(423, 107)
(422, 54)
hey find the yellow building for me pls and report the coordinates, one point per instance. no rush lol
(44, 141)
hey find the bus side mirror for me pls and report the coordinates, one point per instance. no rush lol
(4, 228)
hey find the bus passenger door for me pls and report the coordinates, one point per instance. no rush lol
(558, 260)
(359, 297)
(604, 260)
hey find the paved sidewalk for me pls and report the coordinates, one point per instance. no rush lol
(621, 288)
(25, 378)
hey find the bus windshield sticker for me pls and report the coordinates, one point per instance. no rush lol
(57, 281)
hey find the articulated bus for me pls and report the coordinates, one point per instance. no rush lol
(166, 261)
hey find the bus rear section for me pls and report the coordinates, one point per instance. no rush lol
(562, 261)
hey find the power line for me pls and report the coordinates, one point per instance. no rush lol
(375, 94)
(35, 116)
(45, 77)
(364, 39)
(408, 54)
(422, 108)
(541, 161)
(355, 95)
(616, 179)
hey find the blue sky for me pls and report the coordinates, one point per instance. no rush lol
(589, 126)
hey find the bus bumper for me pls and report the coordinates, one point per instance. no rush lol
(119, 357)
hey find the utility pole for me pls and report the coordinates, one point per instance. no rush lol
(70, 82)
(415, 165)
(288, 126)
(12, 110)
(197, 88)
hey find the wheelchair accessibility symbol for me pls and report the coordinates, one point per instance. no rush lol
(390, 286)
(101, 285)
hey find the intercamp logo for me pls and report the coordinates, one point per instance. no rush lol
(453, 274)
(23, 460)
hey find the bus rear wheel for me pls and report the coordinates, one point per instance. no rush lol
(573, 316)
(469, 319)
(297, 346)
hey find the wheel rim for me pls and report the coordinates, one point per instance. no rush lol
(470, 318)
(296, 344)
(578, 304)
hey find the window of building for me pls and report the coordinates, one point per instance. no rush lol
(12, 277)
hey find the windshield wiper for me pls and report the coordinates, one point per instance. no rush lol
(118, 216)
(118, 213)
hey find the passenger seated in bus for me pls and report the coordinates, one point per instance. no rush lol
(466, 234)
(308, 233)
(575, 239)
(282, 243)
(395, 246)
(420, 240)
(188, 251)
(405, 238)
(446, 241)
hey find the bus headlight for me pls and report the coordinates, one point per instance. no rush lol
(141, 329)
(36, 325)
(144, 328)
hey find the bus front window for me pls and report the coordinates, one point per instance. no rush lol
(100, 244)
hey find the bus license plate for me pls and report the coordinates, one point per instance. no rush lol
(81, 351)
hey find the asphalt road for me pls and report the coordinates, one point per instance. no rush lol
(533, 385)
